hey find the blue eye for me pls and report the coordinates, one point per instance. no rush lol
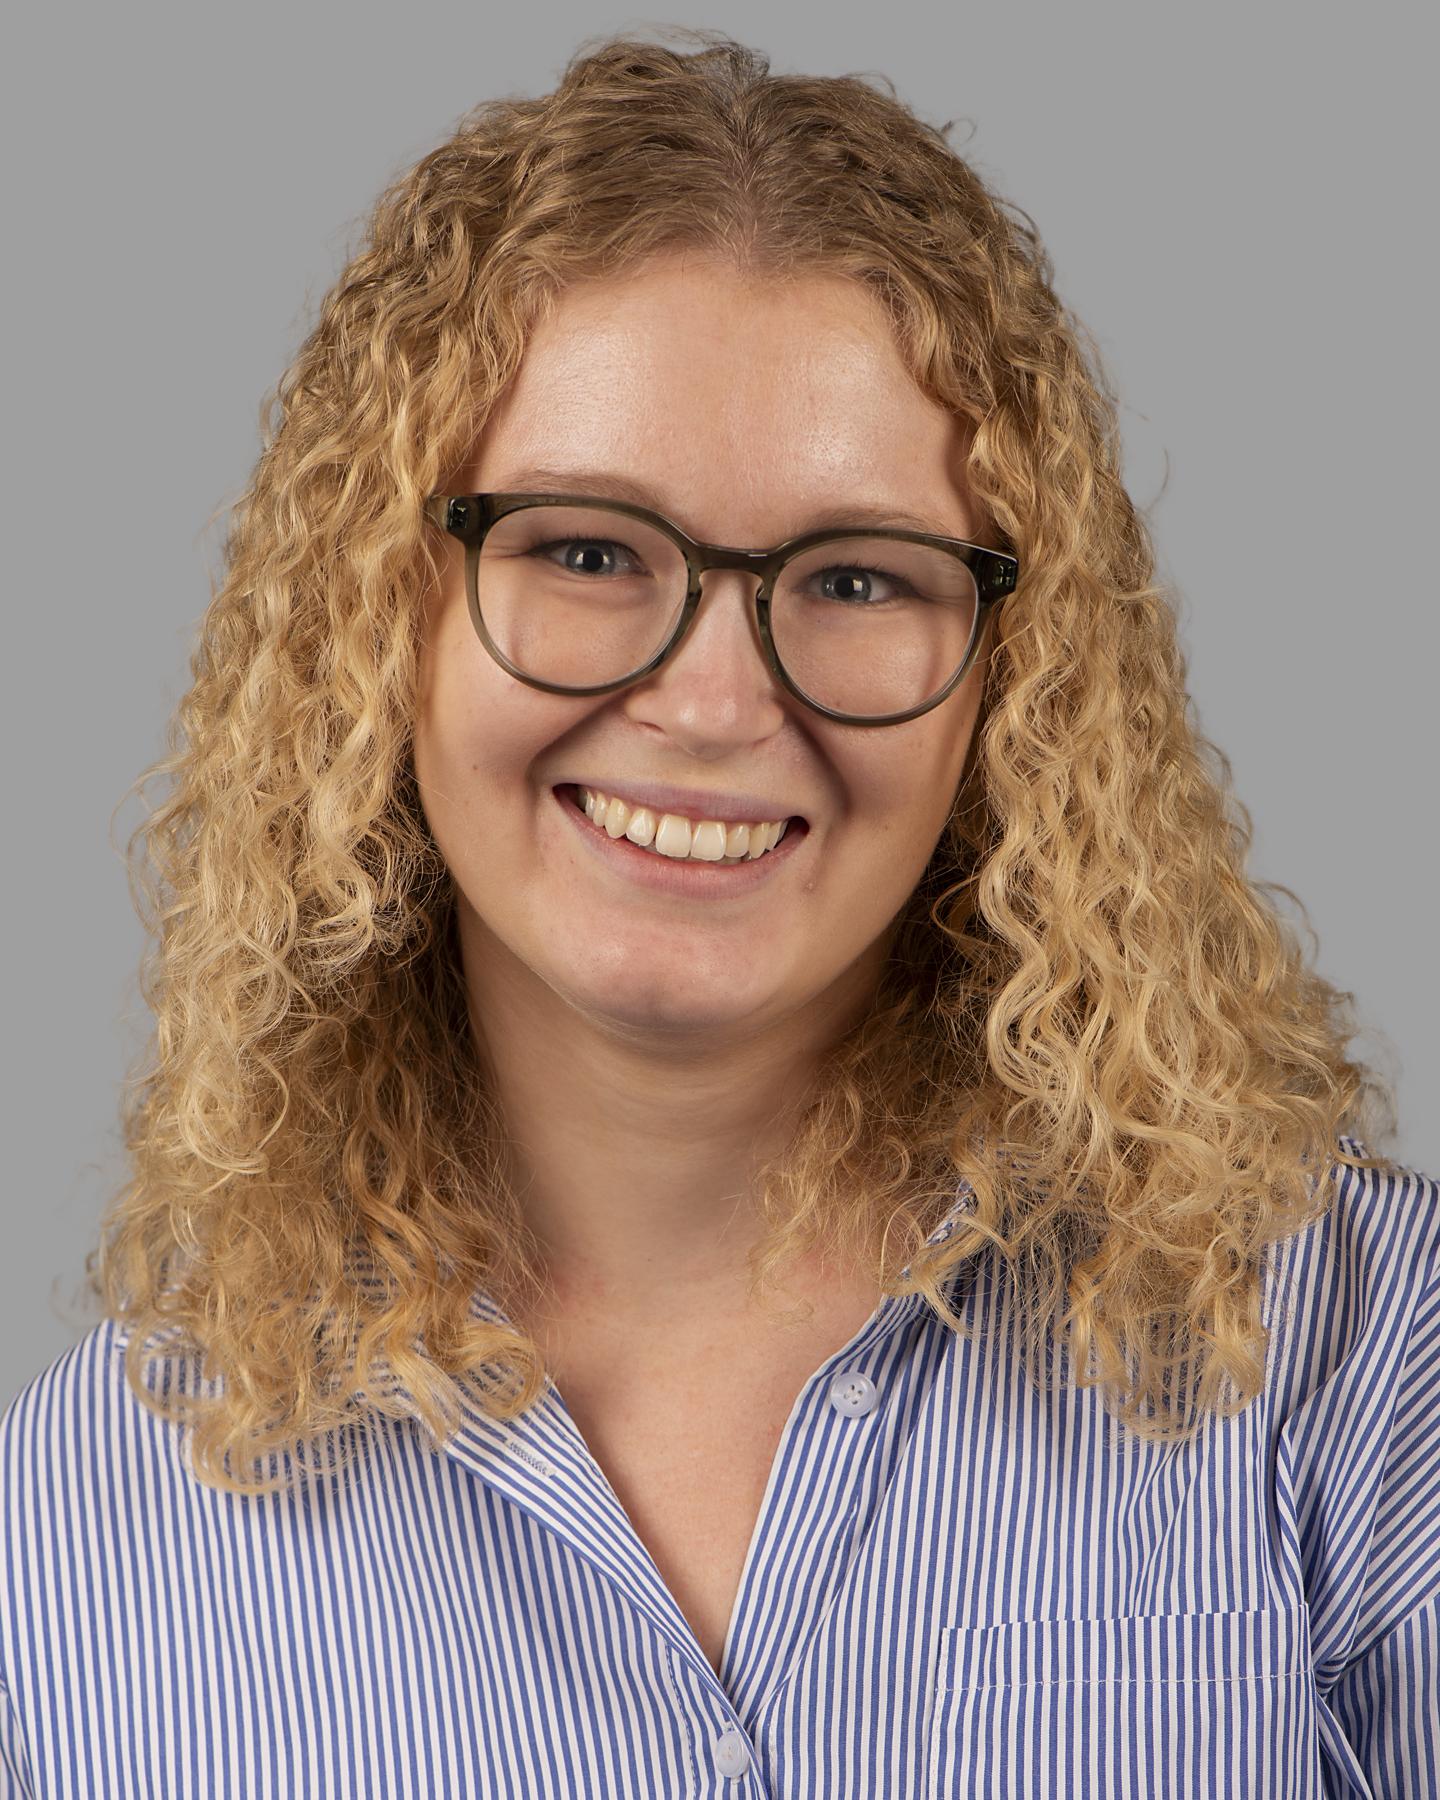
(854, 569)
(602, 544)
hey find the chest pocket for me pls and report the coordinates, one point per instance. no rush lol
(1204, 1706)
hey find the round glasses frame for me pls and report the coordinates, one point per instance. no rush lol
(469, 517)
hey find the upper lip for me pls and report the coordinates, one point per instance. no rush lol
(726, 809)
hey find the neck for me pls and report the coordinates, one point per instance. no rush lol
(635, 1148)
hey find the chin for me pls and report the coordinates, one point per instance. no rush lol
(686, 1005)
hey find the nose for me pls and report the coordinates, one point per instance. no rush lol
(716, 682)
(724, 634)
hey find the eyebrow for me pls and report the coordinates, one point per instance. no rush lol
(620, 487)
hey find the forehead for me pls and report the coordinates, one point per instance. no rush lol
(704, 389)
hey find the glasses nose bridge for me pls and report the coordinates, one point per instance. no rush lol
(705, 557)
(724, 556)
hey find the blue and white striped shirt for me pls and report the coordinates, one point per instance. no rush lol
(956, 1584)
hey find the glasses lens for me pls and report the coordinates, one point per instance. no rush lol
(871, 626)
(578, 595)
(584, 595)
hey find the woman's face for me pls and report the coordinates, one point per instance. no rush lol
(743, 411)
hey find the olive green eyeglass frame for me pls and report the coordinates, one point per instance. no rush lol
(469, 517)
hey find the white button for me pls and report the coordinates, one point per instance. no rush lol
(732, 1753)
(853, 1393)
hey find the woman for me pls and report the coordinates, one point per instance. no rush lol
(738, 1193)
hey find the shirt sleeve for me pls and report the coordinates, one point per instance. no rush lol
(1386, 1697)
(15, 1783)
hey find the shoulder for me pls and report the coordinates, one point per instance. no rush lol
(76, 1440)
(60, 1426)
(1354, 1307)
(91, 1488)
(67, 1390)
(1371, 1258)
(1356, 1349)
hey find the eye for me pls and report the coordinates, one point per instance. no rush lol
(593, 548)
(852, 583)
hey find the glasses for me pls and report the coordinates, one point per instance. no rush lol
(579, 596)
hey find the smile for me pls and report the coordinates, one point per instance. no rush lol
(660, 852)
(674, 835)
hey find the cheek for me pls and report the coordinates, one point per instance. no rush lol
(905, 842)
(480, 736)
(461, 692)
(442, 729)
(459, 738)
(907, 806)
(906, 788)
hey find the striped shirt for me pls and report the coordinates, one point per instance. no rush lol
(957, 1584)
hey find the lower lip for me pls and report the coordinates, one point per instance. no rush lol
(671, 875)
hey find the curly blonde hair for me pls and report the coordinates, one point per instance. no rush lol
(1091, 1014)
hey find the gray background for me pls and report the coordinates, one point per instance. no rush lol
(1238, 201)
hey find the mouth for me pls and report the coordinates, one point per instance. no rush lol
(685, 875)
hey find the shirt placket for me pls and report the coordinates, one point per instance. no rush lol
(821, 1494)
(818, 1494)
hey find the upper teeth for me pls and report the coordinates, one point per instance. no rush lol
(672, 834)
